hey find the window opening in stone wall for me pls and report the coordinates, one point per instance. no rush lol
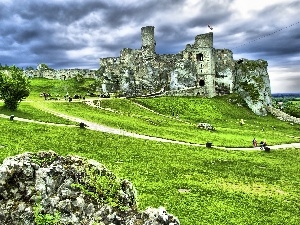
(201, 83)
(199, 57)
(201, 71)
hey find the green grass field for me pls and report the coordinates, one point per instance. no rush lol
(57, 87)
(229, 133)
(198, 185)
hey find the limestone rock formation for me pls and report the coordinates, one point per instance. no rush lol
(253, 85)
(45, 188)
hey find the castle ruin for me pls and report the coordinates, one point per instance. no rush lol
(198, 70)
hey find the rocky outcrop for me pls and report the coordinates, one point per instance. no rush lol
(45, 188)
(252, 83)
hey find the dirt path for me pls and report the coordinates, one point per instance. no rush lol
(38, 122)
(111, 130)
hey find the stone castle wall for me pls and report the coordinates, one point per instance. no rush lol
(282, 115)
(62, 74)
(198, 70)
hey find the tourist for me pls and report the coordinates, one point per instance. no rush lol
(254, 142)
(265, 143)
(261, 144)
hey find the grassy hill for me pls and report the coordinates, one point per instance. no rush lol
(59, 87)
(219, 112)
(199, 185)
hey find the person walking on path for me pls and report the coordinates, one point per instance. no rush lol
(254, 143)
(263, 144)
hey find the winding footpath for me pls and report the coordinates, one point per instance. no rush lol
(111, 130)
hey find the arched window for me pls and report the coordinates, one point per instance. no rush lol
(199, 57)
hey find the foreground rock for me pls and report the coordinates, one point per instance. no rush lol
(45, 188)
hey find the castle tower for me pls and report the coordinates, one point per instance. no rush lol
(148, 41)
(205, 62)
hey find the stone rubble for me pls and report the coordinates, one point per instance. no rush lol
(205, 126)
(282, 115)
(45, 184)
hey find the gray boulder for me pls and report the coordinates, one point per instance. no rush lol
(46, 188)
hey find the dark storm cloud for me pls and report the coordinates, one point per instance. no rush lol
(287, 81)
(281, 43)
(64, 12)
(279, 11)
(265, 21)
(211, 13)
(74, 34)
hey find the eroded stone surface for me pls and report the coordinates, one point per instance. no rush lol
(74, 189)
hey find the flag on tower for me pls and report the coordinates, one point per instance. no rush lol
(210, 27)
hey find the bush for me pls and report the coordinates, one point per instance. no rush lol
(14, 87)
(292, 109)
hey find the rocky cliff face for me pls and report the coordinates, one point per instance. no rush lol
(45, 188)
(252, 83)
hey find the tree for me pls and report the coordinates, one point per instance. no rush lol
(292, 109)
(14, 87)
(43, 67)
(29, 68)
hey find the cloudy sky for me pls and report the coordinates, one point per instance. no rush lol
(76, 33)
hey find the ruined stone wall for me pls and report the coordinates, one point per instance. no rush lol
(224, 78)
(198, 70)
(282, 115)
(61, 74)
(144, 72)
